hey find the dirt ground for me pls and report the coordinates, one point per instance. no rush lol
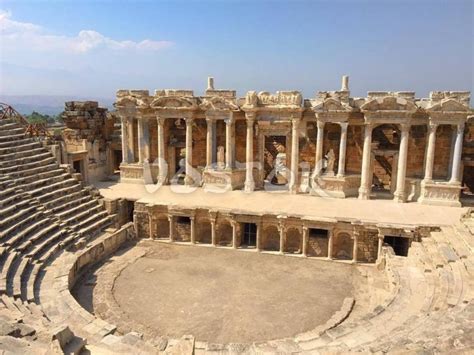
(223, 296)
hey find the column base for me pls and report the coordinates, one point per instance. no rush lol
(363, 194)
(399, 197)
(440, 193)
(336, 187)
(249, 186)
(229, 179)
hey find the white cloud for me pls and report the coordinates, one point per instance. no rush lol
(15, 35)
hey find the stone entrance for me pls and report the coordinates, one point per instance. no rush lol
(249, 236)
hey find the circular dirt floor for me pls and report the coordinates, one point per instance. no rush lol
(221, 295)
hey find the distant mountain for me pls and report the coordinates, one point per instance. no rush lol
(48, 104)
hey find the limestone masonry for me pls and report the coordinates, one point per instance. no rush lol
(108, 219)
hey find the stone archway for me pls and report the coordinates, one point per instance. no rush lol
(293, 241)
(343, 246)
(204, 231)
(224, 233)
(162, 227)
(271, 238)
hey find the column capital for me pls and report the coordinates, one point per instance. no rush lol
(432, 126)
(460, 127)
(170, 217)
(230, 120)
(320, 124)
(250, 116)
(188, 120)
(405, 127)
(160, 120)
(210, 120)
(344, 126)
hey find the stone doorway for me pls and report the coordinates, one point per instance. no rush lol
(318, 242)
(249, 237)
(385, 148)
(400, 245)
(275, 160)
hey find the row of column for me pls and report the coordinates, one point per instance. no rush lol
(366, 174)
(400, 195)
(282, 229)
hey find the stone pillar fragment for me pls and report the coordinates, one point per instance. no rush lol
(293, 187)
(282, 230)
(379, 246)
(341, 167)
(430, 152)
(234, 234)
(188, 180)
(125, 148)
(400, 195)
(366, 174)
(213, 232)
(319, 149)
(171, 220)
(354, 246)
(330, 243)
(162, 166)
(193, 229)
(304, 249)
(229, 141)
(456, 169)
(249, 181)
(259, 236)
(209, 142)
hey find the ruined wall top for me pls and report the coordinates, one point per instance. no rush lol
(291, 101)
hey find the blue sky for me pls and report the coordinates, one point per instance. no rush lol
(93, 48)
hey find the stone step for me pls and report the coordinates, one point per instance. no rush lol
(44, 168)
(31, 281)
(82, 215)
(16, 142)
(59, 193)
(456, 243)
(12, 137)
(86, 225)
(75, 209)
(57, 178)
(22, 154)
(16, 289)
(11, 259)
(41, 248)
(16, 214)
(42, 234)
(21, 161)
(21, 147)
(73, 200)
(12, 130)
(53, 187)
(18, 169)
(46, 175)
(11, 307)
(23, 226)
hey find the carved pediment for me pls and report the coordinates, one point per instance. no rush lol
(172, 102)
(124, 101)
(218, 103)
(331, 104)
(448, 105)
(389, 103)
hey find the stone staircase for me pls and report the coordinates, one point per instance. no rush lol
(43, 210)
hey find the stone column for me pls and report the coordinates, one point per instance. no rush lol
(188, 180)
(249, 182)
(330, 243)
(304, 249)
(131, 141)
(430, 152)
(456, 170)
(213, 232)
(400, 195)
(209, 142)
(171, 220)
(282, 230)
(379, 247)
(293, 185)
(234, 234)
(125, 148)
(366, 174)
(341, 166)
(259, 236)
(141, 140)
(162, 169)
(229, 149)
(354, 247)
(319, 149)
(193, 229)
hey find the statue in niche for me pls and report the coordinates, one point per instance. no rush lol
(220, 157)
(281, 170)
(331, 159)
